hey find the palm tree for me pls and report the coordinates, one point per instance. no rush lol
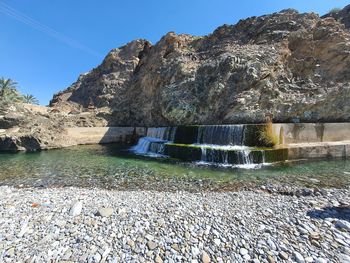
(28, 98)
(8, 91)
(7, 86)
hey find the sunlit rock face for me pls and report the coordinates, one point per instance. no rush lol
(287, 65)
(343, 15)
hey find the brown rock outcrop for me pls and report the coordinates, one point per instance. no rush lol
(288, 65)
(25, 127)
(343, 16)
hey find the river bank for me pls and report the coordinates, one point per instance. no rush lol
(69, 224)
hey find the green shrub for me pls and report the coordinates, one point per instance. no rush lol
(334, 10)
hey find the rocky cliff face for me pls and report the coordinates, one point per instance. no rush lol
(343, 16)
(287, 65)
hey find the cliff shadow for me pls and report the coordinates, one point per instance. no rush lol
(121, 135)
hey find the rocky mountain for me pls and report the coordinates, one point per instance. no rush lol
(343, 16)
(287, 65)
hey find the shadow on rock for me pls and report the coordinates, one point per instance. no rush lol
(341, 213)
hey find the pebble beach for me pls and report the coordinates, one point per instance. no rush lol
(95, 225)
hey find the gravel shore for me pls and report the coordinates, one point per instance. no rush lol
(96, 225)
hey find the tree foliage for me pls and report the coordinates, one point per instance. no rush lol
(10, 94)
(334, 10)
(28, 98)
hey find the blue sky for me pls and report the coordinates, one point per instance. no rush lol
(45, 44)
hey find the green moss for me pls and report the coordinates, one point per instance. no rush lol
(276, 155)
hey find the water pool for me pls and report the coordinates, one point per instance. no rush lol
(112, 167)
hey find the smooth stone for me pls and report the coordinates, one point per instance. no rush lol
(246, 257)
(97, 257)
(343, 258)
(75, 210)
(105, 212)
(217, 242)
(283, 255)
(271, 244)
(298, 257)
(270, 259)
(175, 247)
(151, 245)
(243, 251)
(205, 257)
(315, 236)
(195, 252)
(321, 260)
(10, 252)
(130, 242)
(149, 237)
(342, 224)
(158, 259)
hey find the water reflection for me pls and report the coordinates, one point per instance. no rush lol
(113, 167)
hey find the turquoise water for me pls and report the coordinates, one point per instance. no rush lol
(110, 166)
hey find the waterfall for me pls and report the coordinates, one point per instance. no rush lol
(163, 133)
(154, 143)
(203, 154)
(246, 157)
(263, 157)
(142, 145)
(147, 145)
(216, 141)
(212, 156)
(221, 156)
(211, 144)
(220, 134)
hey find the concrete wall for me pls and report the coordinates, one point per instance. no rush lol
(94, 135)
(303, 140)
(312, 132)
(319, 150)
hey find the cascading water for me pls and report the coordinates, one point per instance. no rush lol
(263, 157)
(220, 134)
(212, 144)
(154, 142)
(216, 141)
